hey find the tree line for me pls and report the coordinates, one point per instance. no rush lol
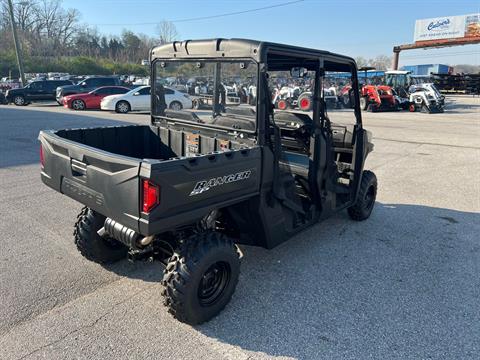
(53, 38)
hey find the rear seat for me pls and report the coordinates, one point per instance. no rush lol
(342, 134)
(235, 122)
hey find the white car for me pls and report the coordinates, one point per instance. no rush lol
(138, 99)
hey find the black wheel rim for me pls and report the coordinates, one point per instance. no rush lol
(213, 283)
(370, 197)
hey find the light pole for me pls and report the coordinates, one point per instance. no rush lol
(17, 45)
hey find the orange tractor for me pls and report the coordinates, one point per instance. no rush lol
(372, 97)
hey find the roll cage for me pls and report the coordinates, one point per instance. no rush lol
(267, 56)
(325, 192)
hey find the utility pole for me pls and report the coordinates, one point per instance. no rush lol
(17, 45)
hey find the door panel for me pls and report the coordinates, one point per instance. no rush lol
(36, 91)
(144, 102)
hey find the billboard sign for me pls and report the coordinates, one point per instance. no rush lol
(448, 27)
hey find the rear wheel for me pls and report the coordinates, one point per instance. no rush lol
(366, 197)
(122, 107)
(78, 105)
(305, 102)
(200, 277)
(19, 100)
(91, 245)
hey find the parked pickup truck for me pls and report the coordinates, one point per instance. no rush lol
(40, 90)
(192, 184)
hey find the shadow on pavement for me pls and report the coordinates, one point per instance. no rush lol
(396, 285)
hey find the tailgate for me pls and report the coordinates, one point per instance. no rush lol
(105, 182)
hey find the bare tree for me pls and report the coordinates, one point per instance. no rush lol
(167, 32)
(381, 62)
(54, 22)
(361, 61)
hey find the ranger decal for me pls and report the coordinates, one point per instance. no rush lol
(206, 185)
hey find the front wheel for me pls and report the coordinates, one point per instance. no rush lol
(200, 277)
(19, 100)
(367, 194)
(175, 105)
(78, 105)
(122, 107)
(283, 104)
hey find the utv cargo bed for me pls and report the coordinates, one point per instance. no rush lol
(104, 168)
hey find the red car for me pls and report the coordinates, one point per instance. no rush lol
(92, 99)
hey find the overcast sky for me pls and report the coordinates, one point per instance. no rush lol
(357, 28)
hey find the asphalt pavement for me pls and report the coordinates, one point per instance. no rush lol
(404, 284)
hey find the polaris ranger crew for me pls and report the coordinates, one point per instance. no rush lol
(191, 185)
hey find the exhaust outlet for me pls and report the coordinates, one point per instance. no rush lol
(124, 234)
(119, 232)
(147, 240)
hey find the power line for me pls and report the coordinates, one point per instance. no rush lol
(208, 17)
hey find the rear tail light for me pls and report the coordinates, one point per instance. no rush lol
(150, 195)
(42, 157)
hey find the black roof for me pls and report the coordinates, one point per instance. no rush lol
(231, 48)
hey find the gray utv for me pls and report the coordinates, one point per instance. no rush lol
(191, 185)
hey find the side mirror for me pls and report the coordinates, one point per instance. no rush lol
(83, 84)
(298, 72)
(136, 94)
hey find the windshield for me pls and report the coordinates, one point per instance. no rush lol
(397, 80)
(218, 93)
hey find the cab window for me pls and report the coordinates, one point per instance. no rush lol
(104, 91)
(37, 85)
(144, 91)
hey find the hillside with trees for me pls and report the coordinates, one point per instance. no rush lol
(54, 39)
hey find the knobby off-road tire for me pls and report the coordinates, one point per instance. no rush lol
(366, 197)
(92, 246)
(200, 277)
